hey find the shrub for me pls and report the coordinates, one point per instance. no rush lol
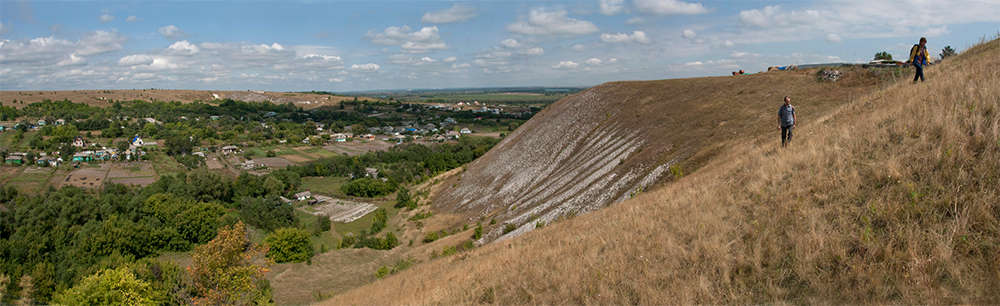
(108, 287)
(379, 221)
(289, 245)
(478, 232)
(270, 153)
(510, 227)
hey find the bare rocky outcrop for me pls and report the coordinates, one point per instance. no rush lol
(605, 144)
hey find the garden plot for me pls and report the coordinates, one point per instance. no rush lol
(86, 177)
(343, 210)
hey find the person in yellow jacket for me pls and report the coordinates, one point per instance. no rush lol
(918, 56)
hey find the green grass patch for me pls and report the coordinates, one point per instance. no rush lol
(165, 165)
(30, 182)
(328, 185)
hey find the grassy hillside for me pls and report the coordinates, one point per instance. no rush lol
(891, 198)
(607, 143)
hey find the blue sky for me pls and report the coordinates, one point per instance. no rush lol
(375, 44)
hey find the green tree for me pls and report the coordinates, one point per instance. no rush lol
(224, 271)
(403, 198)
(109, 287)
(289, 244)
(883, 56)
(379, 221)
(947, 52)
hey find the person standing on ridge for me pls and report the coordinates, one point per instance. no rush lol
(918, 56)
(786, 121)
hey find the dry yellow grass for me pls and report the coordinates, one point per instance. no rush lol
(891, 198)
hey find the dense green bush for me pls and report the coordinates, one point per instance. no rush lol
(289, 244)
(379, 221)
(367, 187)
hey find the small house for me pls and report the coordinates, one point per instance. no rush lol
(214, 117)
(466, 131)
(85, 156)
(339, 137)
(14, 160)
(302, 196)
(368, 137)
(453, 134)
(60, 121)
(371, 172)
(79, 142)
(230, 150)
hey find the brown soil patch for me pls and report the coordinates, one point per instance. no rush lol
(85, 178)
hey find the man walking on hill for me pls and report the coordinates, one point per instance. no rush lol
(786, 121)
(918, 56)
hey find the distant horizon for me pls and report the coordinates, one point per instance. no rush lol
(370, 45)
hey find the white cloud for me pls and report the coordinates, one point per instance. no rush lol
(131, 19)
(636, 36)
(532, 51)
(73, 59)
(335, 80)
(612, 7)
(369, 67)
(456, 13)
(936, 31)
(100, 42)
(728, 43)
(689, 34)
(669, 7)
(135, 59)
(578, 47)
(459, 66)
(427, 59)
(424, 40)
(635, 20)
(833, 37)
(183, 47)
(593, 61)
(566, 65)
(542, 21)
(449, 59)
(695, 63)
(612, 60)
(510, 43)
(105, 18)
(171, 32)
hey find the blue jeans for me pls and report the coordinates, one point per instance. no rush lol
(920, 72)
(786, 135)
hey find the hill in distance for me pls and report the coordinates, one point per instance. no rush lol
(889, 197)
(104, 97)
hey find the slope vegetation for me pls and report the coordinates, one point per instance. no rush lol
(607, 143)
(891, 198)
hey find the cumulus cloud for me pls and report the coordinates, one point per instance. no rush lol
(936, 31)
(72, 59)
(689, 34)
(135, 59)
(171, 32)
(131, 19)
(456, 13)
(424, 40)
(612, 7)
(636, 36)
(773, 15)
(578, 47)
(695, 63)
(669, 7)
(566, 65)
(100, 42)
(635, 20)
(593, 61)
(369, 67)
(449, 59)
(183, 47)
(105, 18)
(532, 51)
(510, 43)
(833, 37)
(542, 21)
